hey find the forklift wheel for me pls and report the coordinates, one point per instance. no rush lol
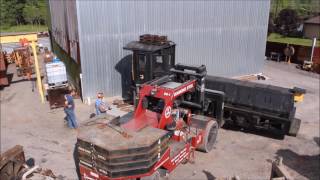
(209, 138)
(154, 176)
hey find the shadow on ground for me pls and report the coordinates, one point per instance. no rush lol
(209, 175)
(317, 140)
(22, 79)
(305, 165)
(259, 132)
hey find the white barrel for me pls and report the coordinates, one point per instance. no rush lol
(56, 73)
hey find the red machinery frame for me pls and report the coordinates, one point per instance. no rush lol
(143, 117)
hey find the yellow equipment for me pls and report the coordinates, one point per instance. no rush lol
(298, 94)
(33, 39)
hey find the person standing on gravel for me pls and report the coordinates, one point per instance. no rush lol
(69, 110)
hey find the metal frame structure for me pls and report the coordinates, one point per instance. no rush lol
(33, 39)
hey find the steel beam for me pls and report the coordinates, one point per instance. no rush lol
(17, 38)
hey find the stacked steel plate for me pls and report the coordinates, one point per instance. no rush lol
(106, 151)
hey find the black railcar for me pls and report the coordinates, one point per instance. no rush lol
(256, 105)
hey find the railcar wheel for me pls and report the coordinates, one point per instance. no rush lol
(210, 137)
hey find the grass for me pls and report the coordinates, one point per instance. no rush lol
(274, 37)
(24, 28)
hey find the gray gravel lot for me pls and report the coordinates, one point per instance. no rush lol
(42, 132)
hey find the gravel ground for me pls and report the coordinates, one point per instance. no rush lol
(45, 137)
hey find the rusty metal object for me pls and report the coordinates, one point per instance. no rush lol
(11, 163)
(47, 172)
(127, 109)
(13, 166)
(8, 57)
(3, 70)
(123, 106)
(119, 130)
(56, 97)
(153, 39)
(112, 154)
(104, 122)
(23, 61)
(278, 171)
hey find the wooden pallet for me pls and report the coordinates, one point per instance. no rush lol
(11, 162)
(56, 97)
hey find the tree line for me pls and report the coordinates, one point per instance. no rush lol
(303, 8)
(287, 16)
(21, 12)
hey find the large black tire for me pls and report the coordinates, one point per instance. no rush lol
(210, 137)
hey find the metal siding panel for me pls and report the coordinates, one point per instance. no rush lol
(57, 20)
(71, 18)
(64, 25)
(227, 36)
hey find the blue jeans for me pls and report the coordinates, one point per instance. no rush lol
(71, 118)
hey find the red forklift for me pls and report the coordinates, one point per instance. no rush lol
(170, 122)
(179, 109)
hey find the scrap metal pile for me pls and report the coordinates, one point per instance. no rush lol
(24, 63)
(153, 39)
(13, 165)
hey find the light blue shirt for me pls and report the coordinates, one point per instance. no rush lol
(99, 103)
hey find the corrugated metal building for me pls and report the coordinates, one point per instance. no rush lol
(229, 37)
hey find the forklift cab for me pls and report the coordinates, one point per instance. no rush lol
(153, 56)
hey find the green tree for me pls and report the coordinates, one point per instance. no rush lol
(43, 11)
(11, 12)
(304, 8)
(34, 12)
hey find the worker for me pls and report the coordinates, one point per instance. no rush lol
(47, 55)
(100, 105)
(175, 114)
(178, 115)
(28, 69)
(69, 110)
(24, 42)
